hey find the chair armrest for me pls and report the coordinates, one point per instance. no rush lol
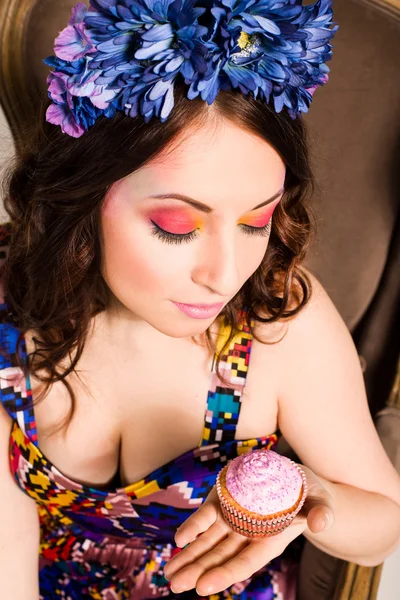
(358, 583)
(324, 577)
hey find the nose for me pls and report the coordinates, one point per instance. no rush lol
(217, 267)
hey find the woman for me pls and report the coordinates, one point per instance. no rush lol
(157, 321)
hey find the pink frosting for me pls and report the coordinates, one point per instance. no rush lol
(263, 481)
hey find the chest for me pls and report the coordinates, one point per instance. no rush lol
(135, 413)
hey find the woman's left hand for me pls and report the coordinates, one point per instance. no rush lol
(216, 557)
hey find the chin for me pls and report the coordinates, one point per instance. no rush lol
(178, 330)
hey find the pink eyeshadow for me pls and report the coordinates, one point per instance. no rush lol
(174, 221)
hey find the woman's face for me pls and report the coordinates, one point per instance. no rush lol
(158, 251)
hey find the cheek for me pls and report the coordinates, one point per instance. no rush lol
(127, 262)
(134, 262)
(252, 260)
(257, 246)
(126, 268)
(252, 254)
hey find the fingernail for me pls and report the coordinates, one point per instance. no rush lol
(205, 592)
(328, 520)
(182, 545)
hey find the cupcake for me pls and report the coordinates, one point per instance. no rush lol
(261, 492)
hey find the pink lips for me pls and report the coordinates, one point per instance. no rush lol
(200, 311)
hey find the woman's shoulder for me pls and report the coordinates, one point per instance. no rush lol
(318, 302)
(318, 326)
(323, 407)
(277, 331)
(318, 319)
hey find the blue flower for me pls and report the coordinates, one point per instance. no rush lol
(127, 54)
(143, 45)
(270, 48)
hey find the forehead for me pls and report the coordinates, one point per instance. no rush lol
(213, 164)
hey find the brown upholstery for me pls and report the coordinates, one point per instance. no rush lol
(355, 137)
(355, 132)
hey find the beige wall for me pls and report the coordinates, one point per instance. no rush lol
(6, 152)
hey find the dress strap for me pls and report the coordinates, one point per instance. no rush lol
(15, 388)
(224, 401)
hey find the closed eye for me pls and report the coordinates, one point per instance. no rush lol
(179, 238)
(264, 231)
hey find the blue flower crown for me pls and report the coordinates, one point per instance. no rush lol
(127, 54)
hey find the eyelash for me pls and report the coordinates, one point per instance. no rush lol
(178, 238)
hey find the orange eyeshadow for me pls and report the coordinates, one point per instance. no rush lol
(262, 219)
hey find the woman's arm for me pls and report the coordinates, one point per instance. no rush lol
(324, 416)
(358, 525)
(19, 530)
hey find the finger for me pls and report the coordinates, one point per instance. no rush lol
(187, 577)
(318, 511)
(258, 552)
(198, 522)
(214, 535)
(319, 518)
(318, 508)
(201, 545)
(240, 567)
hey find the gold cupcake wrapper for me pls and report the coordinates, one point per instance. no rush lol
(251, 524)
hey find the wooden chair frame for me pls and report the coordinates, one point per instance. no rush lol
(15, 87)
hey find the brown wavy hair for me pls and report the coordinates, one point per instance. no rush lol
(54, 194)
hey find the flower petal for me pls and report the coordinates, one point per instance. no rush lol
(78, 13)
(158, 90)
(267, 25)
(168, 103)
(145, 53)
(56, 114)
(157, 33)
(174, 64)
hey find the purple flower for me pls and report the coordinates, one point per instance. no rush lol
(74, 42)
(74, 114)
(78, 100)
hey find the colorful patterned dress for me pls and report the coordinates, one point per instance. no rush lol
(113, 543)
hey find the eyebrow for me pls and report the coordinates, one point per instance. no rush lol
(204, 207)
